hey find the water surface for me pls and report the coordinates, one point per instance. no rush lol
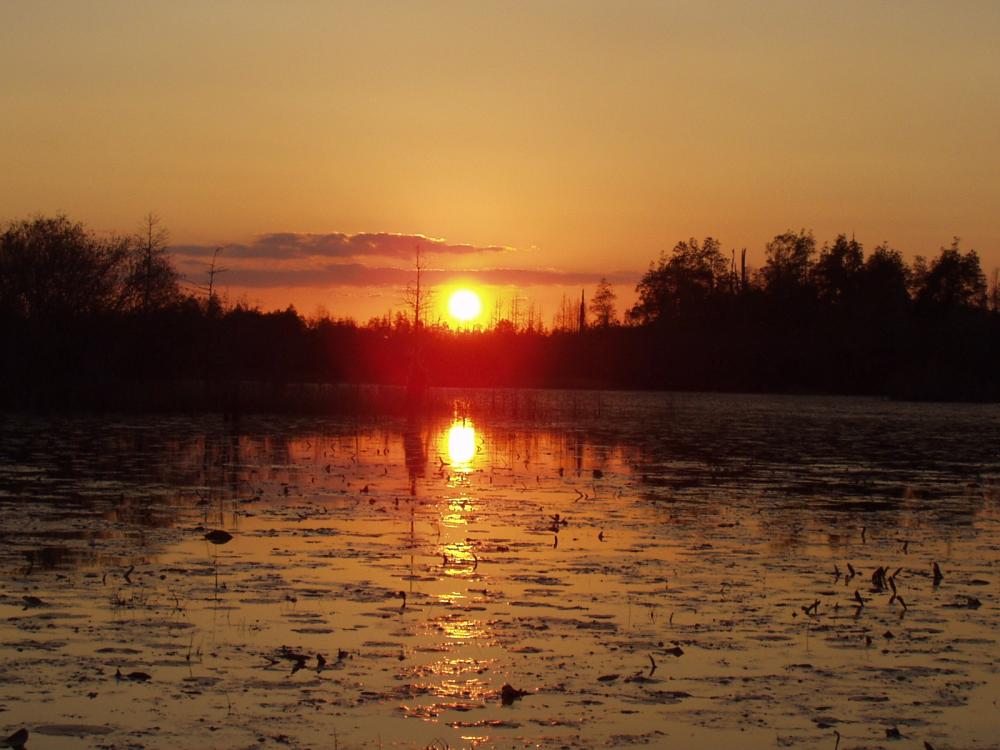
(650, 569)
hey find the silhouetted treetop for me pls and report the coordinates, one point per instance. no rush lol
(953, 280)
(884, 283)
(52, 268)
(837, 273)
(602, 304)
(151, 281)
(682, 282)
(788, 265)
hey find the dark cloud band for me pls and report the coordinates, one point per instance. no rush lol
(292, 245)
(357, 274)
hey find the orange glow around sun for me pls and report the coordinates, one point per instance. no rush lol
(464, 305)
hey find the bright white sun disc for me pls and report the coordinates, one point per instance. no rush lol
(464, 305)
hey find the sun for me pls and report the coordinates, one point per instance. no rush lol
(464, 305)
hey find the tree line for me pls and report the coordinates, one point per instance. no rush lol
(82, 314)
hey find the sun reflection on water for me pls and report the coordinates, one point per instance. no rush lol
(459, 628)
(459, 559)
(456, 511)
(461, 444)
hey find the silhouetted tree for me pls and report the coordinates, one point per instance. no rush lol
(916, 276)
(953, 280)
(837, 273)
(682, 282)
(52, 268)
(417, 297)
(602, 305)
(788, 264)
(152, 282)
(885, 280)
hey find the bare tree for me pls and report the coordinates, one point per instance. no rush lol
(417, 297)
(214, 271)
(152, 278)
(565, 318)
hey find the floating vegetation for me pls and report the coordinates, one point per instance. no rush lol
(218, 536)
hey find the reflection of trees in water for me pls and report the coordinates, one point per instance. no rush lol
(810, 469)
(415, 455)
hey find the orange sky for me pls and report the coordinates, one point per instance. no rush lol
(579, 138)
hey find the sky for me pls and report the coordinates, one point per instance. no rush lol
(529, 148)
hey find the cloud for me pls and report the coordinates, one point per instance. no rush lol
(357, 274)
(292, 245)
(292, 260)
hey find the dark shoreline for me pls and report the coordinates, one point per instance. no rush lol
(365, 399)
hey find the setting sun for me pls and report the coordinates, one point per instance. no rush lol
(464, 305)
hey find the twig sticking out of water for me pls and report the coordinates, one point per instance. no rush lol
(863, 530)
(127, 575)
(938, 575)
(652, 667)
(858, 598)
(837, 743)
(878, 578)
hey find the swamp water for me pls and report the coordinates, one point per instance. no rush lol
(651, 569)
